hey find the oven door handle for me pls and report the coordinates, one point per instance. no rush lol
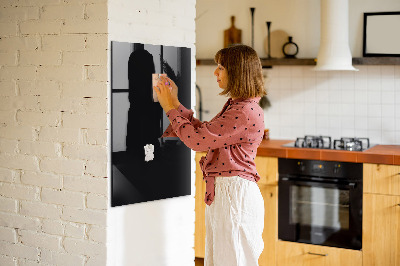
(329, 184)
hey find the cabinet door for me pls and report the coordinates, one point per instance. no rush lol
(297, 254)
(270, 233)
(381, 179)
(381, 230)
(200, 207)
(267, 168)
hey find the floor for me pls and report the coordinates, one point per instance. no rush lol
(199, 262)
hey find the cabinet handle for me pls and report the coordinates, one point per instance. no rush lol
(318, 254)
(398, 204)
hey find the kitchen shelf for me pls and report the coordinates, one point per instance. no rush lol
(376, 61)
(312, 61)
(268, 63)
(288, 62)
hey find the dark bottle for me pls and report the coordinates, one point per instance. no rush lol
(290, 49)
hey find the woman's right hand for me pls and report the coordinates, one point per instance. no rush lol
(174, 90)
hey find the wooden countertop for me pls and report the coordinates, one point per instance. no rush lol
(379, 154)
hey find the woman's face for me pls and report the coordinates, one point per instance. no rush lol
(222, 76)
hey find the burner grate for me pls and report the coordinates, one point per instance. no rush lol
(351, 144)
(324, 142)
(321, 142)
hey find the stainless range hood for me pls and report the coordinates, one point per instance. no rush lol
(334, 52)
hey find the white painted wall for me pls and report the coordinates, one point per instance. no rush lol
(338, 104)
(299, 18)
(158, 232)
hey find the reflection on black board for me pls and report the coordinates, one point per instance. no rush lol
(144, 115)
(137, 122)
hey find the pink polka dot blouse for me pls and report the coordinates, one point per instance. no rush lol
(231, 139)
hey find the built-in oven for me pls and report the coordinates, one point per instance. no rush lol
(320, 202)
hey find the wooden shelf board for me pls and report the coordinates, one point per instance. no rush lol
(265, 62)
(376, 61)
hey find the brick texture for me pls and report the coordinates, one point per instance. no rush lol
(75, 230)
(8, 234)
(6, 260)
(38, 209)
(63, 197)
(61, 258)
(19, 250)
(97, 234)
(41, 179)
(53, 227)
(54, 80)
(87, 216)
(53, 121)
(19, 221)
(94, 201)
(8, 204)
(86, 184)
(84, 247)
(34, 239)
(7, 175)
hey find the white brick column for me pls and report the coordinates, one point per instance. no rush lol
(53, 132)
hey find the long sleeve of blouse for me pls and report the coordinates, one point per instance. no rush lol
(188, 114)
(222, 131)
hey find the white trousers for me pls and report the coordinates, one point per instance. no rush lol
(234, 223)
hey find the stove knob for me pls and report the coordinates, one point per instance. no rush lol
(336, 169)
(302, 167)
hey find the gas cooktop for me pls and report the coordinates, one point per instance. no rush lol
(325, 142)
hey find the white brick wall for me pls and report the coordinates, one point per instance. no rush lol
(53, 126)
(8, 234)
(62, 258)
(53, 121)
(75, 230)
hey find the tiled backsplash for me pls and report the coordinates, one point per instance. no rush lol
(365, 103)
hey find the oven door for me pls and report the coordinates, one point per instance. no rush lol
(320, 212)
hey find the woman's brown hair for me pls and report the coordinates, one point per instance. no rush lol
(245, 78)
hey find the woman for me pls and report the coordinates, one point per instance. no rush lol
(235, 207)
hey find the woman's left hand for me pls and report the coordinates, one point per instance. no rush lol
(164, 95)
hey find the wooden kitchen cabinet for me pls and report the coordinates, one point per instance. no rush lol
(200, 207)
(298, 254)
(267, 167)
(381, 229)
(381, 215)
(270, 233)
(381, 179)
